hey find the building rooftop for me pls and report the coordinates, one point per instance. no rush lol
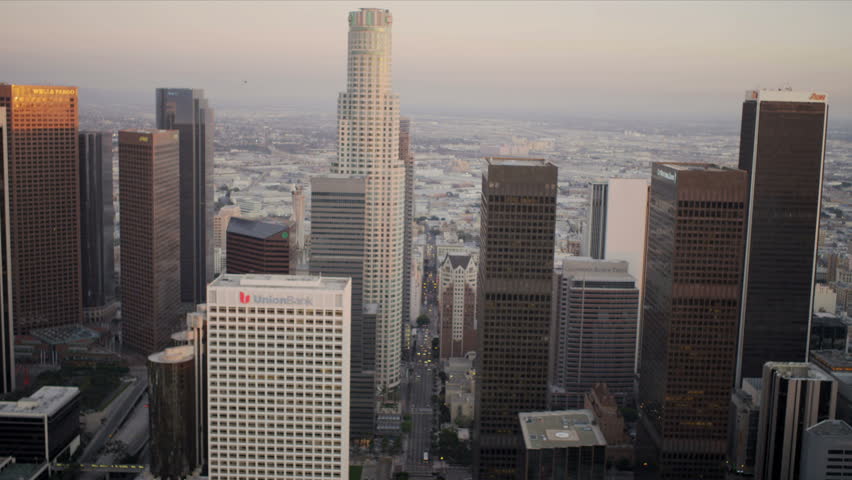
(45, 401)
(280, 281)
(9, 470)
(518, 162)
(798, 370)
(560, 429)
(181, 354)
(65, 334)
(694, 167)
(832, 360)
(831, 428)
(255, 229)
(457, 260)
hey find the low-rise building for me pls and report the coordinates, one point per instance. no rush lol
(745, 405)
(827, 450)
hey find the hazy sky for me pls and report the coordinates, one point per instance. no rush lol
(554, 57)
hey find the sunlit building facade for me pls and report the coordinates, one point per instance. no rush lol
(368, 144)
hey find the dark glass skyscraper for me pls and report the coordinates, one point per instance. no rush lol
(44, 205)
(257, 247)
(782, 146)
(96, 218)
(693, 272)
(337, 250)
(150, 237)
(186, 110)
(596, 226)
(171, 418)
(514, 306)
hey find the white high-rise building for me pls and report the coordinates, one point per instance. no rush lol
(278, 377)
(220, 228)
(368, 144)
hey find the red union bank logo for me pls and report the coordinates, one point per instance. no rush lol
(244, 298)
(289, 300)
(817, 96)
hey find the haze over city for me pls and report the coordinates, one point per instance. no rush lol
(609, 59)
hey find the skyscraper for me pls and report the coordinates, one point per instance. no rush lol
(596, 330)
(627, 224)
(43, 205)
(186, 110)
(337, 250)
(7, 336)
(150, 237)
(220, 231)
(696, 231)
(171, 419)
(596, 224)
(408, 161)
(514, 306)
(782, 147)
(795, 396)
(286, 413)
(298, 255)
(257, 247)
(97, 216)
(368, 144)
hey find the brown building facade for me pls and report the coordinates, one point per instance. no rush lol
(257, 247)
(689, 328)
(44, 205)
(150, 237)
(514, 306)
(457, 304)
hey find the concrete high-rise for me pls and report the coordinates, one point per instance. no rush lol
(150, 237)
(186, 110)
(627, 225)
(598, 303)
(97, 217)
(337, 250)
(457, 275)
(826, 450)
(7, 335)
(43, 205)
(220, 230)
(596, 224)
(285, 412)
(696, 232)
(408, 161)
(782, 147)
(794, 397)
(514, 308)
(298, 254)
(368, 144)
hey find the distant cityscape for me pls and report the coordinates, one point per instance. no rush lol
(194, 292)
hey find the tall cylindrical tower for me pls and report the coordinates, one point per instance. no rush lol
(368, 144)
(171, 393)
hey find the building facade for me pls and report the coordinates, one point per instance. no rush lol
(692, 291)
(171, 416)
(598, 303)
(150, 237)
(408, 161)
(186, 110)
(745, 418)
(782, 147)
(368, 144)
(257, 247)
(43, 196)
(827, 450)
(337, 250)
(7, 330)
(42, 427)
(795, 396)
(457, 305)
(627, 225)
(514, 308)
(278, 404)
(97, 218)
(597, 223)
(220, 235)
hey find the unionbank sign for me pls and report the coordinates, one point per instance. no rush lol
(270, 300)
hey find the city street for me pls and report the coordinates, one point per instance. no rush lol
(420, 391)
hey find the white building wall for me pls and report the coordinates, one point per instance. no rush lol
(278, 377)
